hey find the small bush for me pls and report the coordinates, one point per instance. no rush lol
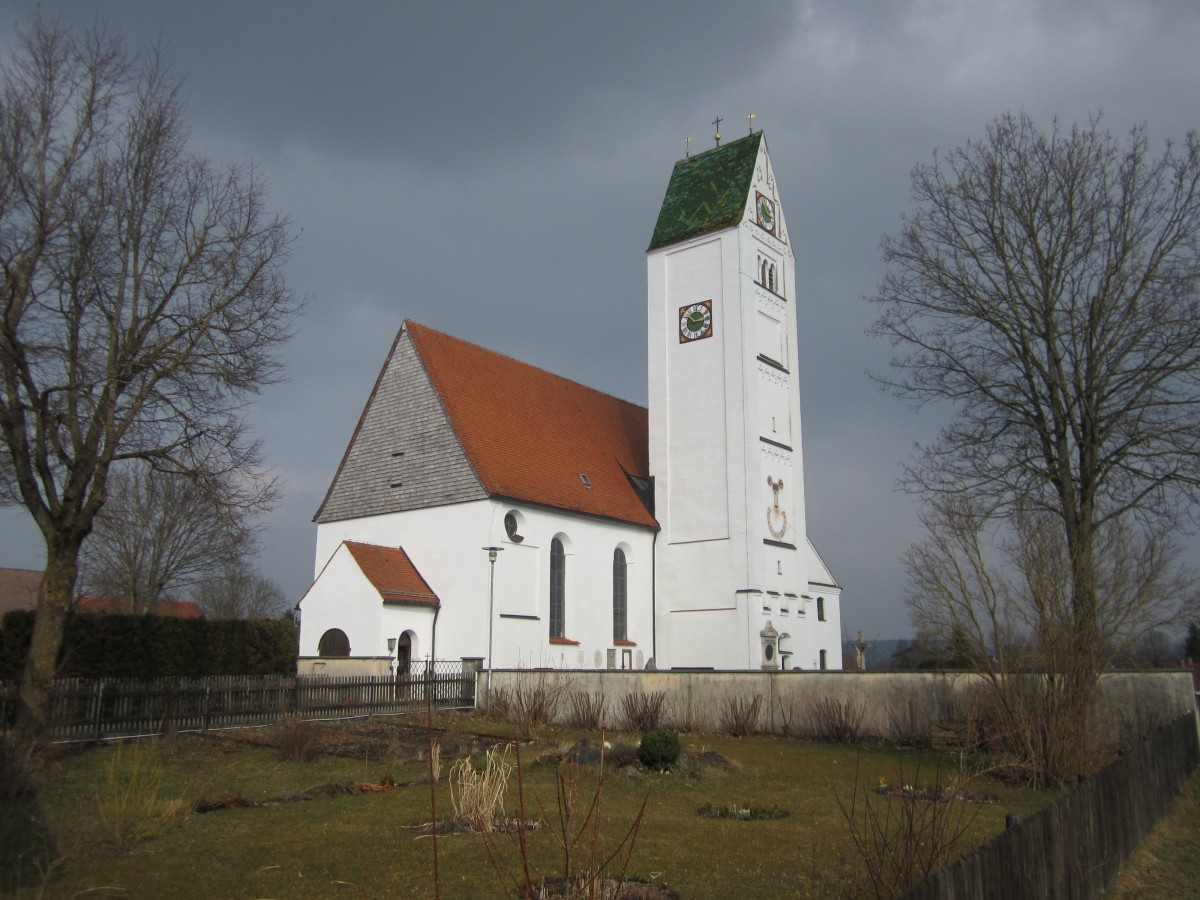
(739, 715)
(659, 750)
(840, 723)
(643, 712)
(299, 740)
(131, 809)
(530, 702)
(907, 726)
(686, 713)
(791, 716)
(21, 760)
(587, 710)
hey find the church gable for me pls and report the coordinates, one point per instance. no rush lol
(404, 453)
(707, 192)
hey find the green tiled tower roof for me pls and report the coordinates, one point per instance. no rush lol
(707, 192)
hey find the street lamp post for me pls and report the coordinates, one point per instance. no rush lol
(492, 553)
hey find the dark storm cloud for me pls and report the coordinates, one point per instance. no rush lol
(495, 169)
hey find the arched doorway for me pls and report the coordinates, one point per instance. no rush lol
(404, 655)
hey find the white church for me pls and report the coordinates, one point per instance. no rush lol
(486, 509)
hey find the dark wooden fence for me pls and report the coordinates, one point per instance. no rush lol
(1073, 849)
(94, 709)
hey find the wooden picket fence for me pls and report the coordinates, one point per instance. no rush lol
(1073, 849)
(93, 709)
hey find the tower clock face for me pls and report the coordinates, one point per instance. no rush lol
(766, 214)
(695, 321)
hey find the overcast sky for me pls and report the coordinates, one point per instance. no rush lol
(494, 170)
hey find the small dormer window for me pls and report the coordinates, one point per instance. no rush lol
(587, 482)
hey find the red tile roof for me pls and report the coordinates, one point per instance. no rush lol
(172, 609)
(530, 434)
(19, 587)
(392, 573)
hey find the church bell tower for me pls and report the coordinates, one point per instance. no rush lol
(734, 569)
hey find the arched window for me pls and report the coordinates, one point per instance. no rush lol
(771, 278)
(620, 596)
(824, 661)
(334, 643)
(820, 609)
(762, 272)
(558, 589)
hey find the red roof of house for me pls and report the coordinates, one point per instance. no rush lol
(392, 573)
(19, 587)
(531, 435)
(172, 609)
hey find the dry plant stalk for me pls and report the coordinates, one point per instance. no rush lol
(478, 796)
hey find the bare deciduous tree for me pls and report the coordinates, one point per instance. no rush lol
(1046, 285)
(236, 592)
(998, 595)
(142, 300)
(161, 533)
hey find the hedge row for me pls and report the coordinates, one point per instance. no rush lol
(123, 646)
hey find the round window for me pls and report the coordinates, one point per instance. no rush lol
(511, 526)
(769, 652)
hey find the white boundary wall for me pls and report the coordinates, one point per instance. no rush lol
(694, 700)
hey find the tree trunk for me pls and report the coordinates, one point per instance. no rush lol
(53, 604)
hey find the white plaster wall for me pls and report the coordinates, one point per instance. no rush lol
(445, 544)
(341, 598)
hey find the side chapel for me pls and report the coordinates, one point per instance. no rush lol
(487, 509)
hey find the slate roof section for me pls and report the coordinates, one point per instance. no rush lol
(404, 453)
(392, 573)
(707, 192)
(530, 435)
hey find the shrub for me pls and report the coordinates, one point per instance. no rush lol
(643, 712)
(530, 702)
(131, 809)
(739, 715)
(837, 722)
(587, 710)
(659, 750)
(299, 740)
(907, 726)
(21, 760)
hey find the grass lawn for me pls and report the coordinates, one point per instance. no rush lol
(360, 844)
(1167, 865)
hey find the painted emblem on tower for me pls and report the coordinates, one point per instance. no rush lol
(776, 516)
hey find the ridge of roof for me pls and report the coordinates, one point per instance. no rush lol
(392, 574)
(707, 192)
(531, 435)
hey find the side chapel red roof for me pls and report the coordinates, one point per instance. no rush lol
(392, 573)
(531, 434)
